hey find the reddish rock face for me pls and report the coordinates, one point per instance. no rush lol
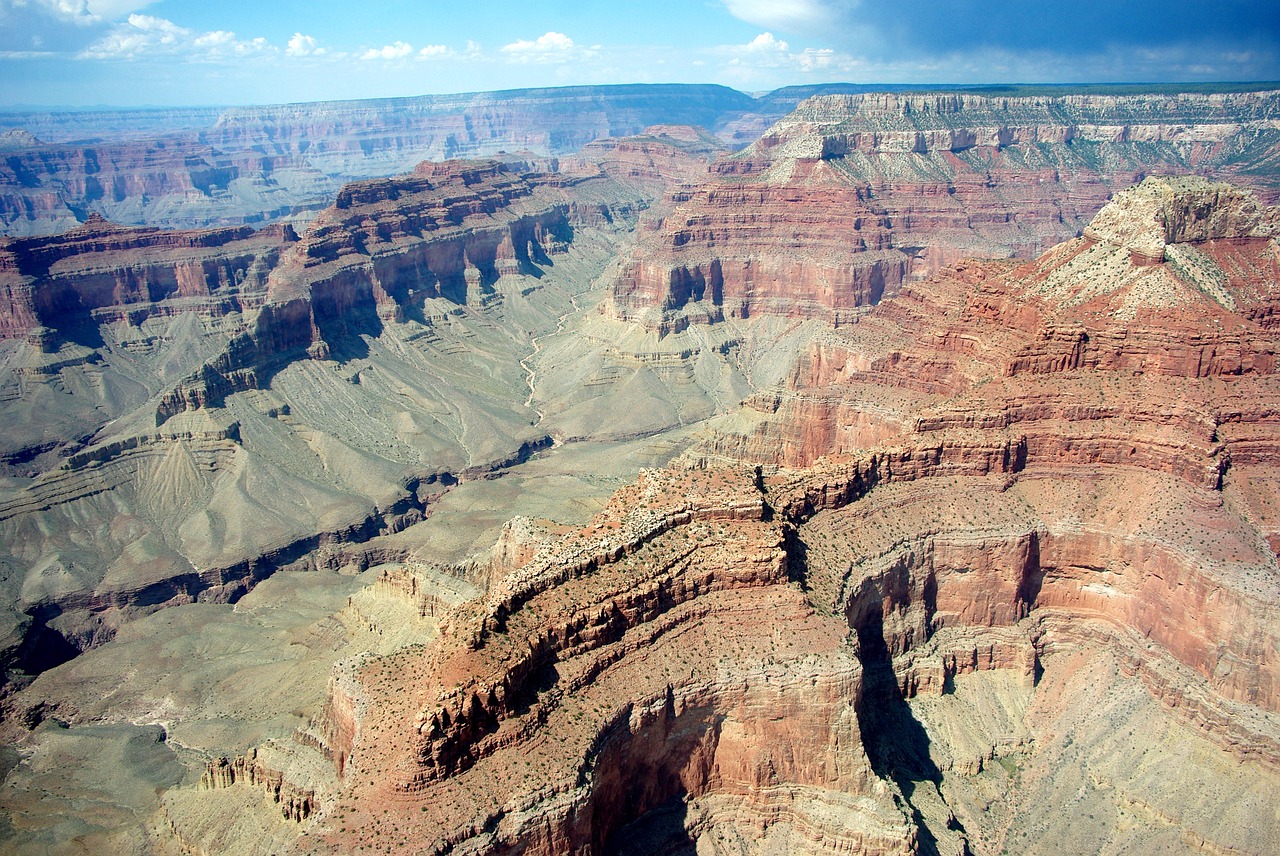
(1104, 375)
(850, 196)
(101, 272)
(661, 156)
(618, 670)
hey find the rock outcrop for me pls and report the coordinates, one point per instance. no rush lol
(618, 671)
(851, 195)
(850, 617)
(387, 247)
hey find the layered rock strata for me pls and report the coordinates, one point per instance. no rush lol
(894, 186)
(246, 165)
(181, 374)
(100, 273)
(565, 705)
(387, 247)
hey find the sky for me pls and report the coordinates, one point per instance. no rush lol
(222, 52)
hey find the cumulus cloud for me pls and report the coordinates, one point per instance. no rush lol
(78, 12)
(766, 43)
(146, 35)
(433, 52)
(767, 61)
(395, 50)
(549, 47)
(302, 45)
(34, 26)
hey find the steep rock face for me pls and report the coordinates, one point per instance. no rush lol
(1134, 366)
(818, 251)
(1008, 347)
(920, 181)
(101, 272)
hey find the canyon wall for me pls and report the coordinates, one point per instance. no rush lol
(892, 186)
(252, 164)
(148, 367)
(1008, 469)
(100, 272)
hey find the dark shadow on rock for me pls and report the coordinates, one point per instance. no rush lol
(797, 558)
(643, 775)
(895, 741)
(658, 832)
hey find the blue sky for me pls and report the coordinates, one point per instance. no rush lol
(183, 52)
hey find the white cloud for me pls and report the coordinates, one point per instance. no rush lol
(65, 11)
(765, 42)
(549, 47)
(84, 13)
(300, 45)
(215, 39)
(396, 50)
(433, 51)
(818, 59)
(146, 35)
(768, 61)
(550, 41)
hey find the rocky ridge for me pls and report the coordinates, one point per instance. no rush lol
(227, 311)
(361, 369)
(101, 273)
(389, 247)
(1100, 421)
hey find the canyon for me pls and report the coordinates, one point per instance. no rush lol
(903, 482)
(247, 165)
